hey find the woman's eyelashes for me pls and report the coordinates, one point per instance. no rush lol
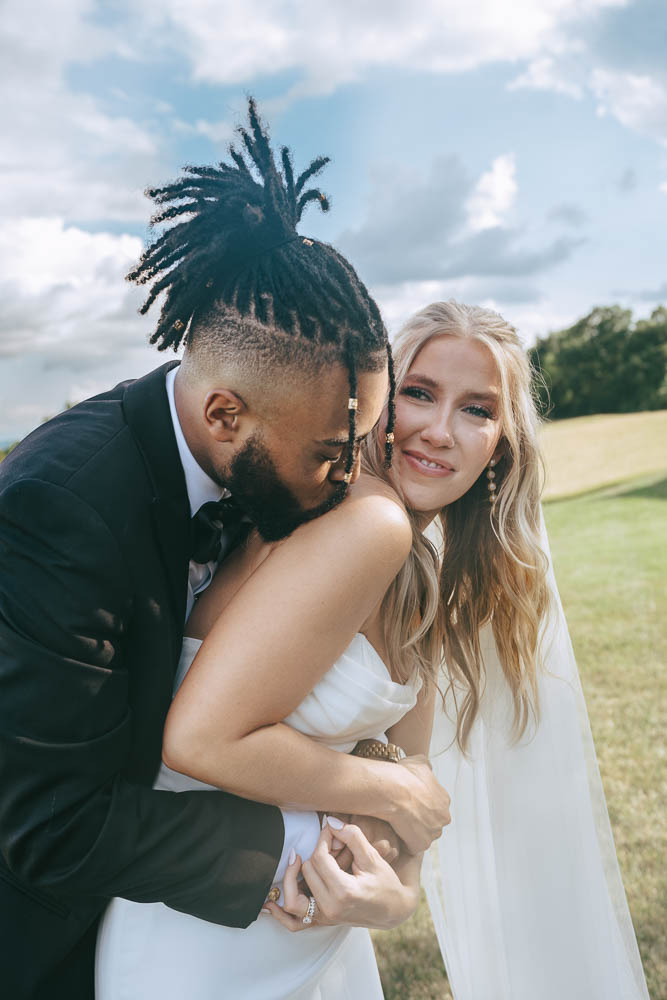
(419, 393)
(479, 411)
(416, 392)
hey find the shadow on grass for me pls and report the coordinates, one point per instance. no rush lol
(646, 487)
(656, 490)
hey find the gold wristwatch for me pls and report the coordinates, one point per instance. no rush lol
(377, 750)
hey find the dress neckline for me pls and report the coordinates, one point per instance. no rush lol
(358, 635)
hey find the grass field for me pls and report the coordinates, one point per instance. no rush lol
(609, 549)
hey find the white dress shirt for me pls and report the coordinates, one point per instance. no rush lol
(302, 829)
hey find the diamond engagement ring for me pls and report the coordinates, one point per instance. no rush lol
(308, 919)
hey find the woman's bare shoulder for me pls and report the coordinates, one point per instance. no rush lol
(373, 497)
(371, 519)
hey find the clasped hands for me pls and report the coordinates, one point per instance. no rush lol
(364, 872)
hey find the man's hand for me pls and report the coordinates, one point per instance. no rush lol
(377, 832)
(421, 809)
(371, 895)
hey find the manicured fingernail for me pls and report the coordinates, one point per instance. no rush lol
(265, 910)
(291, 857)
(336, 843)
(334, 822)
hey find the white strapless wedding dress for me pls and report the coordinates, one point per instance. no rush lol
(147, 951)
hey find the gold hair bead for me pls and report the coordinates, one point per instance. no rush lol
(390, 437)
(179, 325)
(347, 478)
(353, 403)
(307, 243)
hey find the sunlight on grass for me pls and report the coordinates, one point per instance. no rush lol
(588, 452)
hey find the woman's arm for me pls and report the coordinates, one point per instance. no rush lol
(276, 638)
(413, 731)
(413, 734)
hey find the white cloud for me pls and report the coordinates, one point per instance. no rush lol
(64, 295)
(219, 132)
(399, 302)
(638, 101)
(61, 151)
(494, 195)
(330, 44)
(417, 228)
(64, 152)
(543, 74)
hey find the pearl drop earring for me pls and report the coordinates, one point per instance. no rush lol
(491, 482)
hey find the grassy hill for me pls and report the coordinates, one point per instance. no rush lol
(588, 452)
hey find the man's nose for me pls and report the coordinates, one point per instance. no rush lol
(337, 471)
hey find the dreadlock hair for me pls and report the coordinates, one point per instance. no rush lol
(230, 251)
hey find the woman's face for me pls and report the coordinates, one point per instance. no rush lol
(447, 422)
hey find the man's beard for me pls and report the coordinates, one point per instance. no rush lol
(255, 485)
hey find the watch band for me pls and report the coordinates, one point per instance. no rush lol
(377, 750)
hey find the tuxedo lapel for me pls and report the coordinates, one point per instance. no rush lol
(147, 413)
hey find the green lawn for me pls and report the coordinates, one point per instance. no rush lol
(610, 554)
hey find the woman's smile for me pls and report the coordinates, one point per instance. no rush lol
(426, 465)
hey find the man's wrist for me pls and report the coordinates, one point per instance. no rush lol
(302, 831)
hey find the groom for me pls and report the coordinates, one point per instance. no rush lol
(110, 525)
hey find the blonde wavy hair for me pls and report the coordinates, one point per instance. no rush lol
(491, 568)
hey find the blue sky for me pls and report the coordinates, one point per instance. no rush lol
(513, 155)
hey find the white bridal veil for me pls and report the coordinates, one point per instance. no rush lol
(524, 887)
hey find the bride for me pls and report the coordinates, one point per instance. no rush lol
(366, 590)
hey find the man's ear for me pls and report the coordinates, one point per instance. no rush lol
(224, 414)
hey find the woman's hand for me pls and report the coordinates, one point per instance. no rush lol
(370, 895)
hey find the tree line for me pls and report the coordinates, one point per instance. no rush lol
(605, 363)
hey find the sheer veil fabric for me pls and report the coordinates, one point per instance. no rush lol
(524, 886)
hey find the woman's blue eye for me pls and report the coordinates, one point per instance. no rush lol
(415, 392)
(479, 411)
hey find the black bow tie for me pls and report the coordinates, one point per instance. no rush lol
(208, 525)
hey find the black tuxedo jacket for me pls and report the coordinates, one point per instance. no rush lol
(94, 552)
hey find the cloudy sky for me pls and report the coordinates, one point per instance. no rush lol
(509, 154)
